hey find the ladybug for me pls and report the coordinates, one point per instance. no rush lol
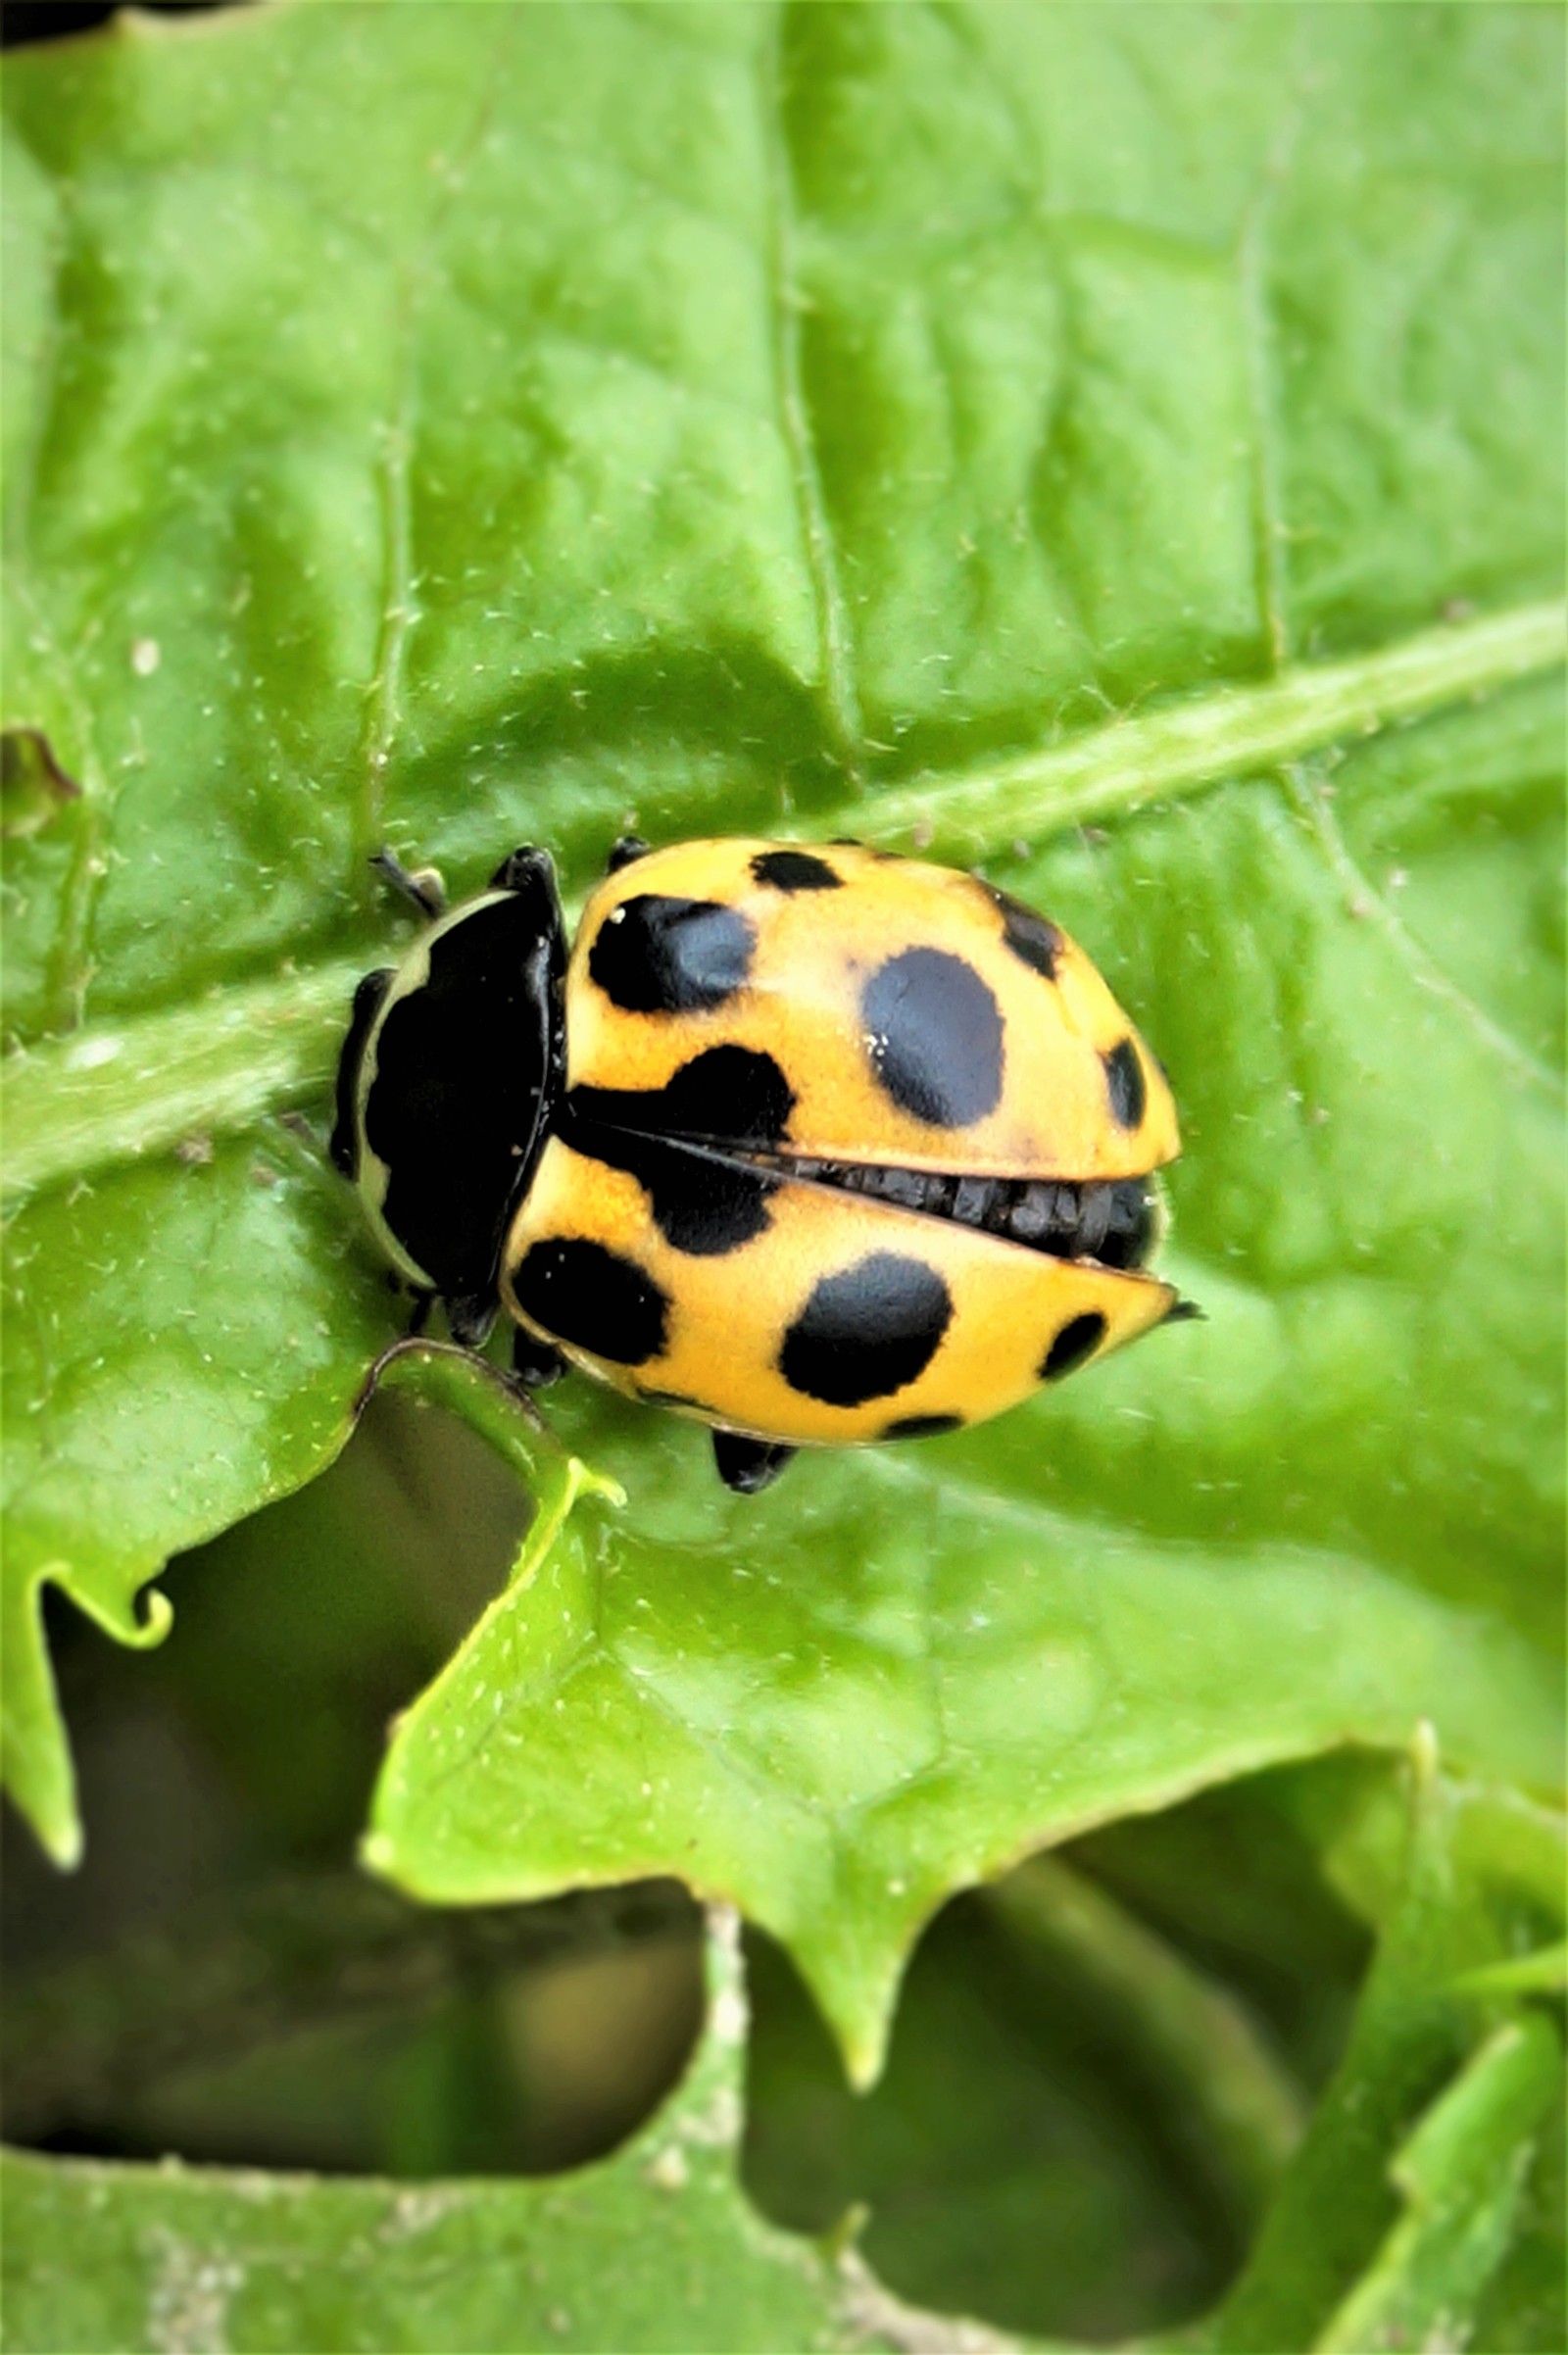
(817, 1145)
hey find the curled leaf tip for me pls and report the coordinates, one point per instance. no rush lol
(154, 1618)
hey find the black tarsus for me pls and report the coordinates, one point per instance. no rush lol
(624, 851)
(470, 1318)
(534, 1362)
(748, 1465)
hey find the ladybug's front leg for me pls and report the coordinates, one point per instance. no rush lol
(748, 1465)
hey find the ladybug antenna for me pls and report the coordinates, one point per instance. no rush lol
(422, 885)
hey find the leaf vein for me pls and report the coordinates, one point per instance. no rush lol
(794, 423)
(397, 437)
(1198, 742)
(1268, 499)
(224, 1062)
(1368, 901)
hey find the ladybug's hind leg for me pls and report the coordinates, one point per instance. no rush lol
(748, 1465)
(534, 1362)
(469, 1317)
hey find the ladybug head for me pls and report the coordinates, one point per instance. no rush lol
(448, 1075)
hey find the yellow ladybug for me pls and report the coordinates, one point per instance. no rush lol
(818, 1146)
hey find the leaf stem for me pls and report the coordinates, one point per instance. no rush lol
(1191, 2029)
(118, 1091)
(1234, 732)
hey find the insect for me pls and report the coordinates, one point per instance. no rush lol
(816, 1146)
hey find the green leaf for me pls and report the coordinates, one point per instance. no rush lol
(183, 1342)
(462, 425)
(1421, 2109)
(1542, 1973)
(654, 2248)
(1099, 2068)
(913, 1679)
(1460, 2174)
(1525, 2304)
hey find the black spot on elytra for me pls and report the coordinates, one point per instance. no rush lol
(1032, 937)
(1124, 1080)
(724, 1096)
(922, 1426)
(671, 1139)
(934, 1034)
(592, 1297)
(702, 1203)
(866, 1331)
(466, 1069)
(344, 1146)
(1080, 1336)
(657, 955)
(794, 870)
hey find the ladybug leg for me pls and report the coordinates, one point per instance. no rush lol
(748, 1465)
(423, 885)
(524, 868)
(469, 1320)
(624, 851)
(534, 1362)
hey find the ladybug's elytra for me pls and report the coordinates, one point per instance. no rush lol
(817, 1145)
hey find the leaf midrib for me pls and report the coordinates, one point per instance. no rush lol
(116, 1092)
